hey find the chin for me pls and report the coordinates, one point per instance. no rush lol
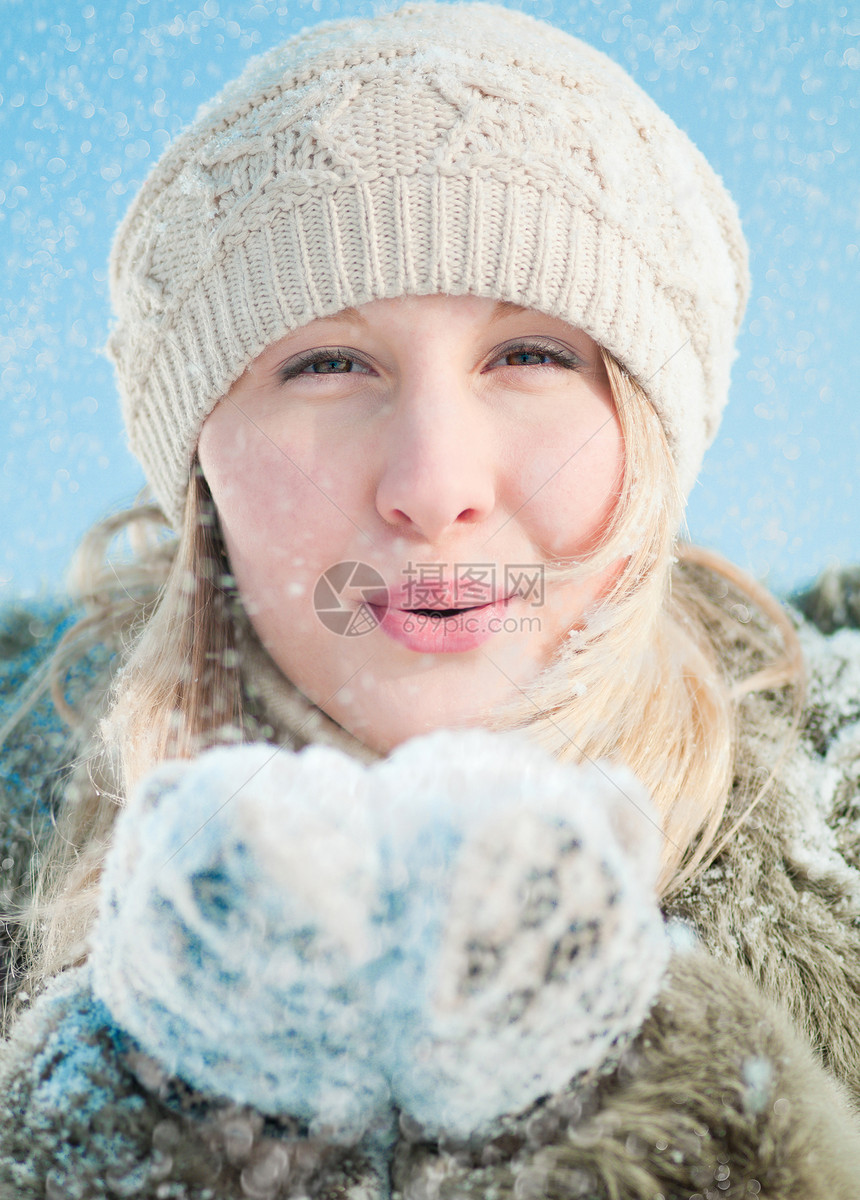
(383, 737)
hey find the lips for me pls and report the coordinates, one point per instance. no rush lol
(430, 631)
(435, 597)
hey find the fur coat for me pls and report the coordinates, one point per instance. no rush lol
(732, 1067)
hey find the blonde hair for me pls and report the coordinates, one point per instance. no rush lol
(675, 721)
(646, 679)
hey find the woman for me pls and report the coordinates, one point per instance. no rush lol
(422, 330)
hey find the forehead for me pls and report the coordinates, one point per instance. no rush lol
(354, 316)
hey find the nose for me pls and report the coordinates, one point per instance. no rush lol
(439, 462)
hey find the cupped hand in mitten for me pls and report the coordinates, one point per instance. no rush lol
(531, 941)
(454, 931)
(238, 931)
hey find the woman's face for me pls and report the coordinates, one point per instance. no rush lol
(445, 448)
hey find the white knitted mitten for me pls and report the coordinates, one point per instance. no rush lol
(237, 939)
(455, 931)
(531, 937)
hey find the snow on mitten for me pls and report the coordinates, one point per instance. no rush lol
(238, 937)
(457, 930)
(531, 938)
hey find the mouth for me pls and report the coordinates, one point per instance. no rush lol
(397, 599)
(451, 612)
(428, 629)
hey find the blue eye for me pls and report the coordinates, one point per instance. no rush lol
(538, 349)
(329, 366)
(323, 362)
(523, 354)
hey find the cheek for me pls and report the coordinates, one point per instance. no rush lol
(575, 489)
(277, 524)
(258, 492)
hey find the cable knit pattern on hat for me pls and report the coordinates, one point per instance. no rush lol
(460, 149)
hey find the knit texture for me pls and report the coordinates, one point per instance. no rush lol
(716, 1096)
(410, 932)
(458, 149)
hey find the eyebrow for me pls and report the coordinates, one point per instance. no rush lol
(351, 315)
(504, 308)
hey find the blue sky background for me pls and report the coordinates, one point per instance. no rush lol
(90, 93)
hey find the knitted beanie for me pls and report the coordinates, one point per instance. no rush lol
(454, 148)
